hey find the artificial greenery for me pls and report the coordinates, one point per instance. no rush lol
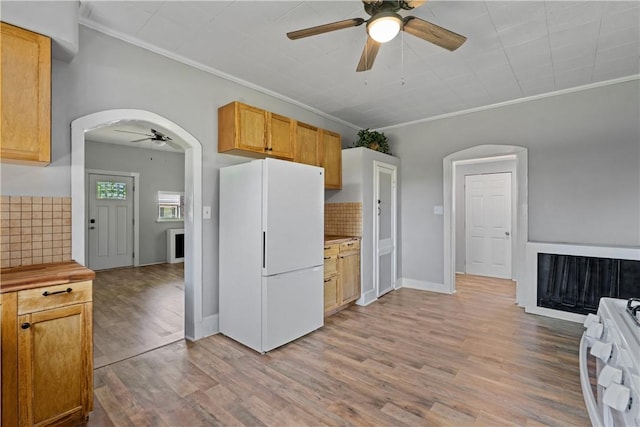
(373, 139)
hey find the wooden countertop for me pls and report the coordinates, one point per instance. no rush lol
(34, 276)
(331, 239)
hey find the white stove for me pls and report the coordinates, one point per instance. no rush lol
(613, 338)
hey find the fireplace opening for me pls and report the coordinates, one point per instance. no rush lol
(576, 283)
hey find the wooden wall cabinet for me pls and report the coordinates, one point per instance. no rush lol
(332, 159)
(341, 274)
(250, 131)
(25, 103)
(307, 145)
(49, 379)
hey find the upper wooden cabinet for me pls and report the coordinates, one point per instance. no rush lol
(331, 159)
(26, 96)
(245, 130)
(254, 132)
(307, 145)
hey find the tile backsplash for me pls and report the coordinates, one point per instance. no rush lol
(34, 230)
(343, 219)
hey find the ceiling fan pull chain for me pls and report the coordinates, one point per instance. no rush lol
(402, 58)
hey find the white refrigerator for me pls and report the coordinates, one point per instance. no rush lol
(271, 252)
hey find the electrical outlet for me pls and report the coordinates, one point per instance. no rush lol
(206, 212)
(438, 210)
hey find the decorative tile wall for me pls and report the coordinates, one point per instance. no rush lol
(34, 230)
(343, 219)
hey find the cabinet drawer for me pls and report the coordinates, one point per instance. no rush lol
(351, 245)
(331, 249)
(48, 297)
(330, 265)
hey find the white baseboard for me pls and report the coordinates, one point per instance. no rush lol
(423, 285)
(210, 325)
(556, 314)
(367, 298)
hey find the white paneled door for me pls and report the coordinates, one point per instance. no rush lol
(110, 224)
(488, 224)
(385, 227)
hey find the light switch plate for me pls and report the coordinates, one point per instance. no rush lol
(438, 210)
(206, 212)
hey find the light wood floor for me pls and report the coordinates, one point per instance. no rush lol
(136, 310)
(413, 358)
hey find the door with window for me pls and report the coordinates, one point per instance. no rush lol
(385, 227)
(488, 224)
(110, 226)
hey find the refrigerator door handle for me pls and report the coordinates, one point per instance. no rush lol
(264, 249)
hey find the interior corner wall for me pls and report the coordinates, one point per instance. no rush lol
(109, 73)
(159, 171)
(584, 170)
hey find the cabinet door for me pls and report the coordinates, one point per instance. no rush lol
(330, 293)
(349, 278)
(307, 145)
(280, 137)
(55, 365)
(252, 128)
(26, 96)
(332, 159)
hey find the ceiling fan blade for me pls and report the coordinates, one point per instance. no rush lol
(415, 3)
(368, 55)
(433, 33)
(128, 131)
(140, 140)
(320, 29)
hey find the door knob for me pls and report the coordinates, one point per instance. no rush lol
(506, 233)
(92, 228)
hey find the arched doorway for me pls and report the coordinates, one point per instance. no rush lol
(484, 153)
(193, 201)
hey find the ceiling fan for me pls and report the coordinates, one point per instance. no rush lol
(156, 137)
(384, 24)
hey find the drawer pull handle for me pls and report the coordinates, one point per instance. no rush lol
(326, 248)
(327, 280)
(25, 325)
(327, 257)
(47, 293)
(349, 244)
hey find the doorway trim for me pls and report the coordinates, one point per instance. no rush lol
(377, 165)
(477, 154)
(195, 327)
(136, 210)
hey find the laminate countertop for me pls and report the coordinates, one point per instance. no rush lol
(35, 276)
(333, 239)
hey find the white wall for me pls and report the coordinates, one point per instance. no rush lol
(159, 171)
(108, 74)
(584, 170)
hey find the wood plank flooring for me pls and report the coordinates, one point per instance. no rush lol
(136, 309)
(412, 358)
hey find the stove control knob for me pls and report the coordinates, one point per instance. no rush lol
(594, 330)
(609, 375)
(601, 350)
(591, 318)
(618, 397)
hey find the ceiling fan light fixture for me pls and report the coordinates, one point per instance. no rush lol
(384, 26)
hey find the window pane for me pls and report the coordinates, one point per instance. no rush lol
(111, 190)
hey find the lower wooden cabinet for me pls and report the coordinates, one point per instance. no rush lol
(341, 275)
(49, 380)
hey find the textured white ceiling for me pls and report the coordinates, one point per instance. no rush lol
(514, 49)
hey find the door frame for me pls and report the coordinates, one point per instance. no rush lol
(195, 326)
(394, 223)
(136, 212)
(512, 210)
(484, 153)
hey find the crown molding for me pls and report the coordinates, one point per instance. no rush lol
(155, 49)
(515, 101)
